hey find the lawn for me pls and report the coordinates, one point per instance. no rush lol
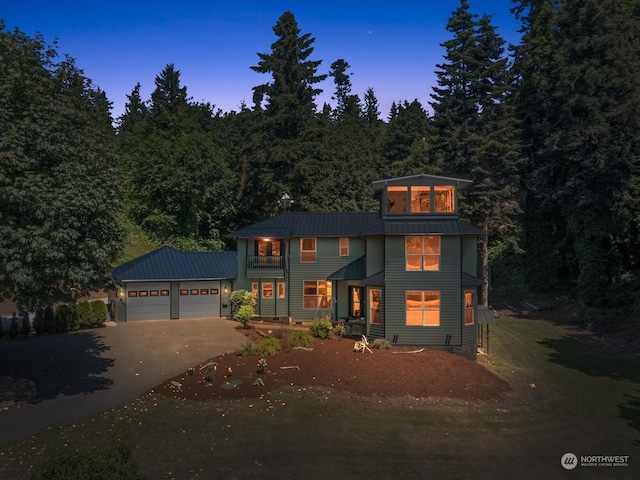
(568, 396)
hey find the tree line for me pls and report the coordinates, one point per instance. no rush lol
(547, 130)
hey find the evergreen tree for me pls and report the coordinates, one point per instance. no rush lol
(348, 105)
(579, 95)
(59, 187)
(477, 134)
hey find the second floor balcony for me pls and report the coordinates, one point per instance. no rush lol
(265, 266)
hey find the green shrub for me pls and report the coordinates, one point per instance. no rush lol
(49, 320)
(240, 298)
(321, 328)
(73, 322)
(268, 346)
(1, 328)
(38, 321)
(62, 318)
(339, 330)
(84, 311)
(244, 314)
(99, 313)
(246, 350)
(210, 373)
(114, 462)
(300, 339)
(381, 344)
(14, 329)
(26, 325)
(279, 333)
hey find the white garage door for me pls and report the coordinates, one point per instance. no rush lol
(148, 301)
(199, 299)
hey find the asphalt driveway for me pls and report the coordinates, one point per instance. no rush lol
(88, 372)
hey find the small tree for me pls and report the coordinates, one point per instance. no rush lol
(38, 321)
(244, 314)
(241, 298)
(62, 318)
(99, 312)
(26, 325)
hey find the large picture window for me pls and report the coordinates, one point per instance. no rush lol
(422, 252)
(423, 308)
(444, 199)
(317, 294)
(308, 249)
(397, 199)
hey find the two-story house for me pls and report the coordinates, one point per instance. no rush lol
(407, 273)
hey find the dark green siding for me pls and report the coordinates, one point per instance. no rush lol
(375, 255)
(446, 281)
(470, 255)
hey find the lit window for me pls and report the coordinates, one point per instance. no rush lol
(184, 292)
(422, 252)
(164, 293)
(194, 291)
(267, 290)
(423, 308)
(143, 293)
(444, 199)
(254, 289)
(281, 290)
(374, 306)
(344, 247)
(308, 249)
(420, 199)
(153, 293)
(132, 294)
(214, 291)
(468, 307)
(204, 291)
(317, 294)
(397, 199)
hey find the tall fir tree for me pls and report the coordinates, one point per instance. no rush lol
(476, 128)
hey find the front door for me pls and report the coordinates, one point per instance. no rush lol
(356, 302)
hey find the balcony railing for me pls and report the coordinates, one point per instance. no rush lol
(265, 263)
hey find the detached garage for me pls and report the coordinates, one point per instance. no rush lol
(169, 284)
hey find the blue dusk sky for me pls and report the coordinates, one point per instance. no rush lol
(391, 46)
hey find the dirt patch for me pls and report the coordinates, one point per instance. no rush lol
(332, 363)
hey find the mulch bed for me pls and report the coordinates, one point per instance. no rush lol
(333, 363)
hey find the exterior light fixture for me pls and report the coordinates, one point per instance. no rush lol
(285, 202)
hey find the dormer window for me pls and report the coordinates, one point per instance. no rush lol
(421, 199)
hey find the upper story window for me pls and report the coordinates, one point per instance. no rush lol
(422, 252)
(421, 199)
(308, 249)
(344, 247)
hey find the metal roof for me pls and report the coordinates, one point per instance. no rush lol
(421, 227)
(356, 270)
(376, 280)
(421, 179)
(485, 316)
(309, 224)
(169, 264)
(470, 280)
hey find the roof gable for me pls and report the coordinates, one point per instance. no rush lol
(421, 179)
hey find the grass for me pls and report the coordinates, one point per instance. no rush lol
(568, 396)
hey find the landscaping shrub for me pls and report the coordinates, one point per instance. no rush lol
(244, 314)
(14, 330)
(99, 313)
(246, 350)
(381, 344)
(1, 328)
(72, 317)
(38, 321)
(300, 339)
(240, 298)
(279, 333)
(113, 463)
(62, 318)
(49, 320)
(26, 325)
(339, 330)
(321, 328)
(268, 346)
(84, 311)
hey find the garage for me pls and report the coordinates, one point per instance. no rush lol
(148, 300)
(199, 299)
(167, 284)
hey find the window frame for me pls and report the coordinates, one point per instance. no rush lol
(310, 252)
(424, 309)
(424, 267)
(469, 307)
(322, 301)
(267, 287)
(373, 318)
(282, 289)
(344, 246)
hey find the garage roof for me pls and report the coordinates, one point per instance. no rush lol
(169, 264)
